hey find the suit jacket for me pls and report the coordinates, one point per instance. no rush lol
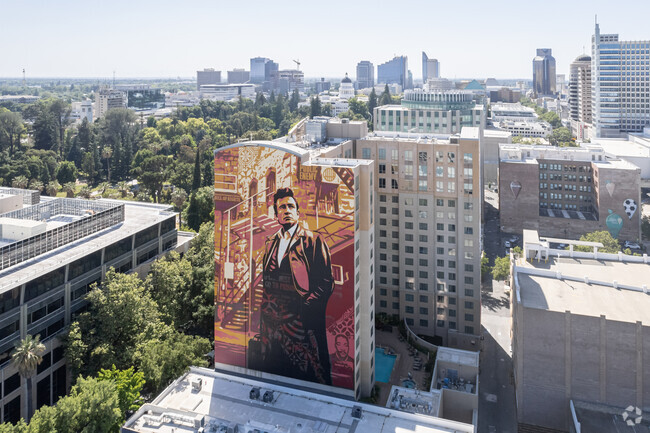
(311, 265)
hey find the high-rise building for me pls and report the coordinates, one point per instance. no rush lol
(258, 69)
(365, 74)
(544, 73)
(394, 71)
(106, 99)
(428, 233)
(580, 96)
(430, 68)
(430, 111)
(294, 275)
(620, 85)
(141, 97)
(207, 76)
(238, 76)
(289, 80)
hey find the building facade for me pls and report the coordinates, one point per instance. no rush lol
(394, 71)
(428, 233)
(568, 192)
(346, 89)
(430, 68)
(620, 85)
(207, 76)
(580, 333)
(289, 313)
(107, 99)
(289, 80)
(238, 76)
(43, 287)
(436, 112)
(258, 69)
(227, 92)
(141, 97)
(580, 96)
(365, 74)
(544, 74)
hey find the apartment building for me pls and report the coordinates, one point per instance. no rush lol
(428, 232)
(580, 97)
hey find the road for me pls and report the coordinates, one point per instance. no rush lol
(497, 410)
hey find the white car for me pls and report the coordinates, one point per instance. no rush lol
(508, 244)
(631, 245)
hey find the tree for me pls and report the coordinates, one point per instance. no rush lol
(66, 172)
(128, 384)
(610, 245)
(200, 207)
(294, 100)
(93, 405)
(385, 98)
(20, 182)
(372, 101)
(645, 227)
(124, 312)
(26, 356)
(196, 179)
(561, 137)
(359, 108)
(315, 107)
(70, 188)
(485, 264)
(164, 359)
(11, 128)
(501, 269)
(552, 118)
(169, 283)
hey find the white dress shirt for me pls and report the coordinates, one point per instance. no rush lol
(285, 241)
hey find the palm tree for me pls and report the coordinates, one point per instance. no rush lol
(26, 357)
(107, 152)
(70, 188)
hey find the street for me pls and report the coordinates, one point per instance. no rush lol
(497, 410)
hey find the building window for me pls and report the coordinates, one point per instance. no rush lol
(365, 152)
(393, 183)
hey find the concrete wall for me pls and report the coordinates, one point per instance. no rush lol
(522, 211)
(563, 356)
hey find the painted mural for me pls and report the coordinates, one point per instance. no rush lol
(284, 265)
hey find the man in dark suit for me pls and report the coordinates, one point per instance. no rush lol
(298, 283)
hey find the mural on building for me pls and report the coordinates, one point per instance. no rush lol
(614, 223)
(630, 207)
(284, 265)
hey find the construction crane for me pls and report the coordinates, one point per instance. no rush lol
(297, 62)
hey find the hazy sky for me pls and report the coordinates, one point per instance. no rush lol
(164, 38)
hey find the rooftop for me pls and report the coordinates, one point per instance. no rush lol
(137, 216)
(605, 419)
(223, 401)
(614, 285)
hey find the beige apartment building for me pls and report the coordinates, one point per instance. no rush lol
(427, 231)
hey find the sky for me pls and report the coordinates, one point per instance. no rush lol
(164, 38)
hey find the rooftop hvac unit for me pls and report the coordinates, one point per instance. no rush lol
(356, 412)
(255, 393)
(197, 384)
(267, 397)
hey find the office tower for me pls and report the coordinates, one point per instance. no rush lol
(238, 76)
(258, 69)
(394, 71)
(322, 85)
(207, 76)
(106, 99)
(430, 68)
(430, 111)
(592, 308)
(281, 316)
(52, 254)
(428, 233)
(620, 85)
(580, 96)
(568, 191)
(365, 74)
(544, 73)
(141, 97)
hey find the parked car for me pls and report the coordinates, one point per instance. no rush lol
(507, 244)
(631, 245)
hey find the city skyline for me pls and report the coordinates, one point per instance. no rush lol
(147, 39)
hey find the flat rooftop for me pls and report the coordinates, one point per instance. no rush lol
(596, 419)
(137, 216)
(541, 289)
(225, 401)
(623, 148)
